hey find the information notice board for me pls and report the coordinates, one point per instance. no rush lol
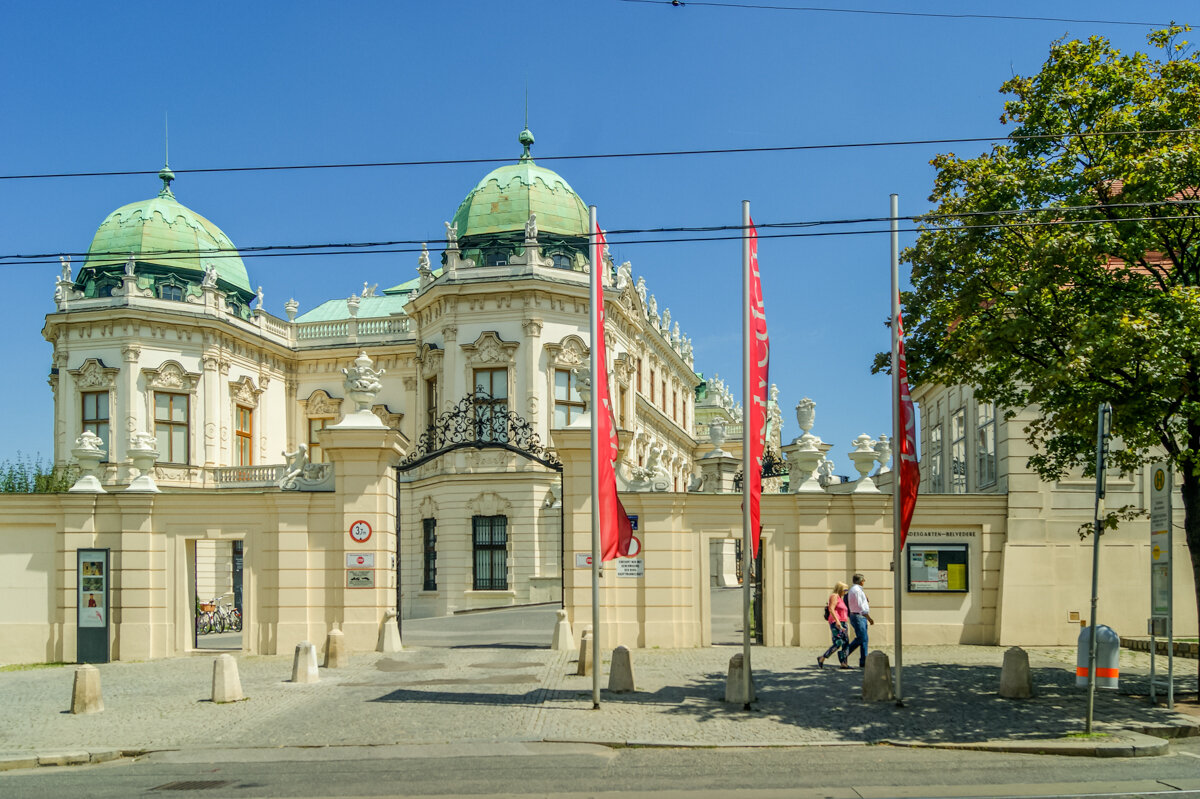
(934, 568)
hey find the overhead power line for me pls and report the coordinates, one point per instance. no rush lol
(735, 231)
(600, 156)
(876, 12)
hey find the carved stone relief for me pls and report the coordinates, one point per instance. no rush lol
(171, 377)
(320, 404)
(489, 503)
(490, 348)
(243, 392)
(94, 374)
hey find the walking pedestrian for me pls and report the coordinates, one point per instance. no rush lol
(836, 614)
(860, 618)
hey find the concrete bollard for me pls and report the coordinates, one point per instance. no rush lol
(226, 684)
(877, 678)
(620, 671)
(563, 639)
(389, 634)
(85, 695)
(735, 683)
(585, 653)
(304, 664)
(1016, 680)
(336, 656)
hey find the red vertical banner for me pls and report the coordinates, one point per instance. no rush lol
(616, 531)
(758, 353)
(909, 473)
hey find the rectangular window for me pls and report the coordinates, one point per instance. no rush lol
(664, 396)
(985, 445)
(431, 401)
(245, 435)
(315, 453)
(492, 414)
(958, 452)
(685, 427)
(652, 385)
(568, 405)
(489, 541)
(639, 375)
(623, 396)
(430, 569)
(936, 484)
(95, 417)
(171, 426)
(675, 406)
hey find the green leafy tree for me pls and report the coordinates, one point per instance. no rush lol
(1095, 295)
(26, 475)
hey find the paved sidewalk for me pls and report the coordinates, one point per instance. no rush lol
(469, 694)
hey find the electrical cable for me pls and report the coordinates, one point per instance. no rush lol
(373, 246)
(191, 255)
(594, 156)
(936, 15)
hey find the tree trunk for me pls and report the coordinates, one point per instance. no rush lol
(1191, 527)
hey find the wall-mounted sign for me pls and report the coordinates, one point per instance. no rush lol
(631, 567)
(632, 520)
(360, 531)
(360, 578)
(360, 560)
(938, 568)
(583, 560)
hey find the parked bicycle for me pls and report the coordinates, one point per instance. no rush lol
(218, 616)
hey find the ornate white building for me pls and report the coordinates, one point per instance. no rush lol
(159, 334)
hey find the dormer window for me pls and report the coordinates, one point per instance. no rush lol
(496, 258)
(169, 291)
(562, 261)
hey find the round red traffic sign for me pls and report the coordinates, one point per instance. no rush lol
(635, 546)
(360, 531)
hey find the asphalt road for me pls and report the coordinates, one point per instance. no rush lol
(544, 769)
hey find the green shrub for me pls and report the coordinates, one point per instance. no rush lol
(28, 475)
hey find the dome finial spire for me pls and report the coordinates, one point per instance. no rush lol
(526, 139)
(165, 174)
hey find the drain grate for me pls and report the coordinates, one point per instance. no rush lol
(192, 785)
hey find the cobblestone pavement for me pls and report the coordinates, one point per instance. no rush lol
(465, 694)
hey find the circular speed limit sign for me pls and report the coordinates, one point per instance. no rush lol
(360, 531)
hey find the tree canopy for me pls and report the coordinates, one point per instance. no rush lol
(1062, 268)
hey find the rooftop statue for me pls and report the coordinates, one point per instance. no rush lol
(65, 260)
(451, 236)
(209, 281)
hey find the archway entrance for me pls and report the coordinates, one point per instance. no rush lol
(483, 535)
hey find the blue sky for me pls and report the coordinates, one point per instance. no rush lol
(87, 85)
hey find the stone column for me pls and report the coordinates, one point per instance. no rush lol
(719, 473)
(210, 424)
(126, 418)
(223, 416)
(362, 460)
(139, 607)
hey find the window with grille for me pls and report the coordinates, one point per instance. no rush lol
(492, 414)
(245, 435)
(95, 416)
(958, 452)
(171, 426)
(985, 444)
(430, 563)
(489, 543)
(934, 459)
(568, 405)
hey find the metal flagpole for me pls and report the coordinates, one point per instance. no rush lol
(593, 325)
(897, 432)
(747, 404)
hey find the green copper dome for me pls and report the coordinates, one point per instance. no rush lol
(504, 199)
(166, 236)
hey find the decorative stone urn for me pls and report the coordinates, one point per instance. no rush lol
(883, 452)
(716, 436)
(806, 415)
(362, 384)
(143, 453)
(864, 457)
(89, 455)
(291, 307)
